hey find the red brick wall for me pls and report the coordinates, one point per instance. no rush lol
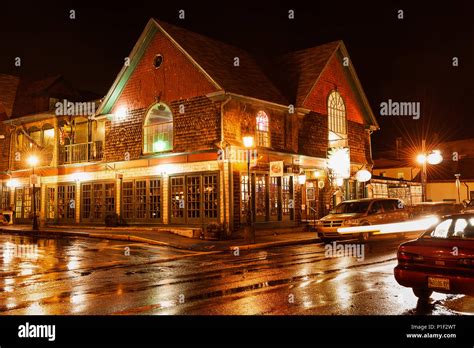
(177, 78)
(335, 76)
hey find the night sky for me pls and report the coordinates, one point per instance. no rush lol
(402, 60)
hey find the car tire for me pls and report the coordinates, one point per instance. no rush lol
(422, 294)
(364, 237)
(325, 240)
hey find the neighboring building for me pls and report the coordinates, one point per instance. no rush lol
(442, 183)
(165, 146)
(30, 126)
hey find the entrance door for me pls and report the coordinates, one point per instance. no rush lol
(275, 202)
(261, 200)
(98, 200)
(23, 206)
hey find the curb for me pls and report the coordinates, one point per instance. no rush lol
(108, 236)
(130, 238)
(276, 244)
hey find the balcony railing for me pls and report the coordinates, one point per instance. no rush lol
(84, 152)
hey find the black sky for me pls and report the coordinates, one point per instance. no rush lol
(402, 60)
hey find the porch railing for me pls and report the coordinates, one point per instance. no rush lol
(83, 152)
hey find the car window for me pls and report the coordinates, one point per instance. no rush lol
(449, 228)
(376, 207)
(388, 206)
(442, 229)
(351, 207)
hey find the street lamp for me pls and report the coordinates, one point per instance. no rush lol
(250, 233)
(424, 158)
(33, 162)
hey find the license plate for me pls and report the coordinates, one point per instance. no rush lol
(438, 283)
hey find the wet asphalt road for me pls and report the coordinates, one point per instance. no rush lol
(90, 276)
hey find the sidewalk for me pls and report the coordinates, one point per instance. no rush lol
(263, 240)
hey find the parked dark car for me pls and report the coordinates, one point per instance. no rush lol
(441, 260)
(438, 209)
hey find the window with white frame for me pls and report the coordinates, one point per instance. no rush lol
(263, 131)
(158, 129)
(337, 122)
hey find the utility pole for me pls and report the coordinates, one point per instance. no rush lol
(423, 172)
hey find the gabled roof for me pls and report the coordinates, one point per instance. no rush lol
(285, 80)
(24, 96)
(217, 59)
(301, 69)
(8, 89)
(305, 67)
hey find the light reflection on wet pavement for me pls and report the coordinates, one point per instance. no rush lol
(90, 276)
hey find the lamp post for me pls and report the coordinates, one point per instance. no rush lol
(33, 162)
(423, 158)
(250, 233)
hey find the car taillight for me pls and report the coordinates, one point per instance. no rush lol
(408, 257)
(405, 257)
(466, 262)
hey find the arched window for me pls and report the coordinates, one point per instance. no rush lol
(263, 133)
(337, 116)
(158, 129)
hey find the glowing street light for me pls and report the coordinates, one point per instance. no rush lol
(423, 159)
(33, 161)
(435, 157)
(248, 141)
(250, 233)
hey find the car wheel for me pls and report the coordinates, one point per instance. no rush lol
(422, 294)
(326, 240)
(364, 237)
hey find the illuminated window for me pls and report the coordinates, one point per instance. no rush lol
(158, 129)
(35, 136)
(337, 119)
(48, 135)
(263, 134)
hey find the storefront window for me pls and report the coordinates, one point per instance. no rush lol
(194, 198)
(260, 197)
(141, 200)
(286, 194)
(98, 200)
(66, 202)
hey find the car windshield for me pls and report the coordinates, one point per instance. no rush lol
(453, 228)
(351, 207)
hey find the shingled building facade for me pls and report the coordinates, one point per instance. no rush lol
(165, 145)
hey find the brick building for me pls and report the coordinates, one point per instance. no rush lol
(165, 145)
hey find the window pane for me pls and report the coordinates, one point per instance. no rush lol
(155, 199)
(210, 196)
(127, 200)
(336, 114)
(177, 197)
(158, 129)
(260, 196)
(244, 194)
(263, 137)
(194, 196)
